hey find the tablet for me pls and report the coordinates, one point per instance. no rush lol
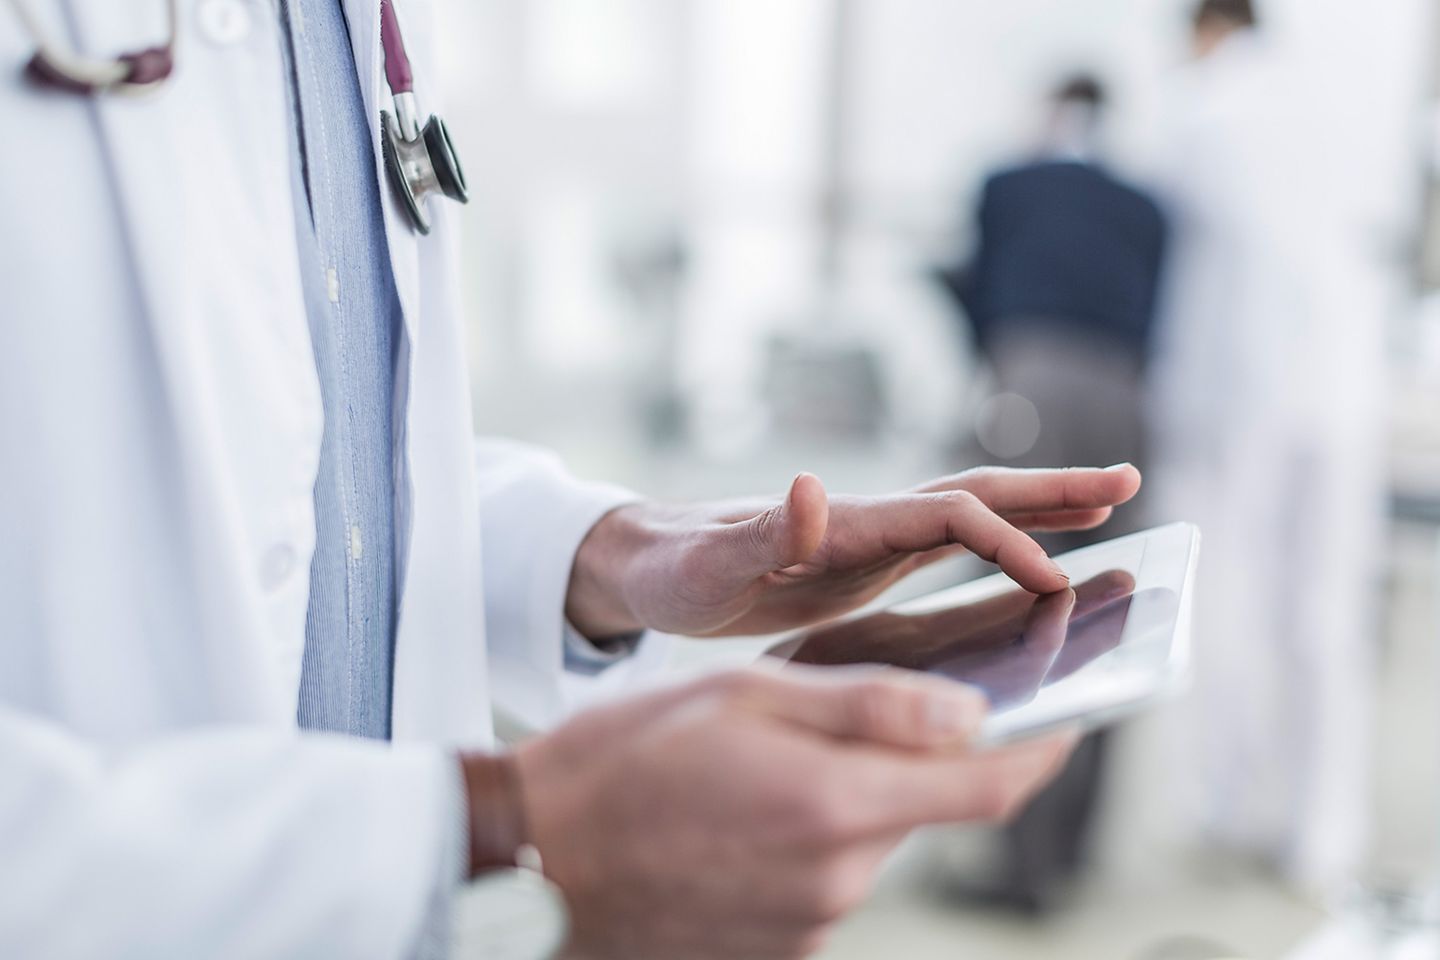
(1043, 661)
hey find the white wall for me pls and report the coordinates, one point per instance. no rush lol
(584, 121)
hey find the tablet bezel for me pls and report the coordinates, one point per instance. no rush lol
(1167, 564)
(1155, 637)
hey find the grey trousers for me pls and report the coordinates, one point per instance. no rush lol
(1087, 393)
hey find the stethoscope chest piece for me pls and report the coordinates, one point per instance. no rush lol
(421, 161)
(421, 166)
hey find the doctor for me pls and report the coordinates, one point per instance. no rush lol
(261, 586)
(1267, 389)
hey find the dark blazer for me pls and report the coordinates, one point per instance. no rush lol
(1064, 241)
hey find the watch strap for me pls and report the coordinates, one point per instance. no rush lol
(498, 828)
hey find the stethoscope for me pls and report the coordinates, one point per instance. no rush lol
(420, 160)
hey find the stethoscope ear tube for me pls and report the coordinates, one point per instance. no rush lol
(58, 68)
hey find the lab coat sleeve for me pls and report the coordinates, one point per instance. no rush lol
(222, 843)
(435, 936)
(533, 516)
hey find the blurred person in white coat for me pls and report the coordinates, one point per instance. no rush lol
(260, 586)
(1265, 402)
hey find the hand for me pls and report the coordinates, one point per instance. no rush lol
(746, 568)
(744, 814)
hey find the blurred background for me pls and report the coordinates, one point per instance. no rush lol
(715, 242)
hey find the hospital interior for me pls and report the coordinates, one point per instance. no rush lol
(713, 243)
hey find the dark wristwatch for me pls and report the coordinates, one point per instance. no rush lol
(508, 910)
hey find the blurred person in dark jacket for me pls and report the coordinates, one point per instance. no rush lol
(1061, 294)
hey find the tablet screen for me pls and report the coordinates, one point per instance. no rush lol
(1048, 655)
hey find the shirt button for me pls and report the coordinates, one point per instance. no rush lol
(224, 21)
(277, 565)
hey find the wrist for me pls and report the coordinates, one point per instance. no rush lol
(496, 811)
(596, 602)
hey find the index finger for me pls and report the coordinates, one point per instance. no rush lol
(1007, 490)
(921, 522)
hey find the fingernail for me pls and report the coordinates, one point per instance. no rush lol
(1067, 738)
(790, 490)
(1059, 571)
(956, 714)
(946, 720)
(1127, 465)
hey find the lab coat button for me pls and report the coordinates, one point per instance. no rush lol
(224, 21)
(277, 565)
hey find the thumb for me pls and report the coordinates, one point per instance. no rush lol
(879, 705)
(784, 535)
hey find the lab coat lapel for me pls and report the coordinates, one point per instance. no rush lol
(363, 17)
(440, 665)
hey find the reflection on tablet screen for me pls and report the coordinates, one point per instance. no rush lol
(1010, 646)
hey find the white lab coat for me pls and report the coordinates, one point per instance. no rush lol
(1266, 404)
(160, 425)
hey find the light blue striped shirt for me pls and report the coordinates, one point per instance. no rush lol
(345, 680)
(355, 324)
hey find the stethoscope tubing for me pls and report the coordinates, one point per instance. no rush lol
(90, 74)
(397, 61)
(420, 157)
(54, 65)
